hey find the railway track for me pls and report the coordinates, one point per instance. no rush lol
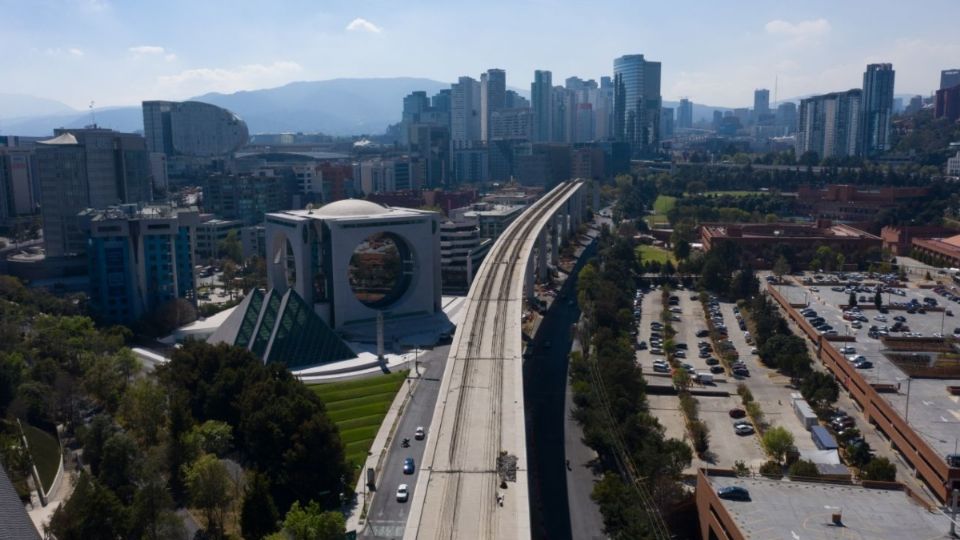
(464, 475)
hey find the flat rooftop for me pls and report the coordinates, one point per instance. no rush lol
(934, 413)
(803, 510)
(787, 230)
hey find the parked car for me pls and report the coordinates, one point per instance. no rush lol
(866, 364)
(716, 370)
(711, 361)
(744, 429)
(703, 333)
(737, 413)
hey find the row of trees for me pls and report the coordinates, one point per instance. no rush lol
(610, 398)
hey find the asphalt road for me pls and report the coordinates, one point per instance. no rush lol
(558, 506)
(386, 517)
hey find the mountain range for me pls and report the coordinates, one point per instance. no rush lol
(335, 107)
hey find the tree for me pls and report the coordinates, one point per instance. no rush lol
(820, 389)
(258, 515)
(153, 511)
(781, 267)
(12, 368)
(120, 465)
(681, 249)
(93, 512)
(143, 410)
(211, 437)
(804, 469)
(208, 484)
(777, 441)
(877, 299)
(879, 468)
(852, 299)
(230, 247)
(311, 523)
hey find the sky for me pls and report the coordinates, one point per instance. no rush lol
(120, 52)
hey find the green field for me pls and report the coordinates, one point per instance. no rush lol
(661, 206)
(653, 253)
(45, 451)
(358, 408)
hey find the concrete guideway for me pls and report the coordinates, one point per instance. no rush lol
(478, 426)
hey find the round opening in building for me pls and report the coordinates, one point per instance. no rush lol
(380, 270)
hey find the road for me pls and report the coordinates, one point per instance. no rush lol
(386, 517)
(561, 507)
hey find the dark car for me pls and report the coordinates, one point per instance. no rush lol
(703, 333)
(716, 370)
(408, 466)
(733, 493)
(737, 413)
(711, 361)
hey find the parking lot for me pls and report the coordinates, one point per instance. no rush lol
(933, 412)
(726, 447)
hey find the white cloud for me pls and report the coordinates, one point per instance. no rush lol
(73, 51)
(146, 49)
(60, 51)
(247, 77)
(362, 25)
(169, 57)
(798, 30)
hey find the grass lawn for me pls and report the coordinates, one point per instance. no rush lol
(46, 453)
(358, 408)
(653, 253)
(661, 206)
(734, 193)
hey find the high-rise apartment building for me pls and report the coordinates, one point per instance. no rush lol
(192, 129)
(761, 102)
(87, 168)
(464, 111)
(18, 180)
(685, 114)
(414, 105)
(541, 96)
(877, 109)
(947, 103)
(246, 197)
(949, 78)
(666, 122)
(493, 97)
(787, 117)
(637, 107)
(140, 257)
(829, 125)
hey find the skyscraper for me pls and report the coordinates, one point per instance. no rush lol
(685, 114)
(877, 108)
(414, 104)
(761, 103)
(192, 128)
(465, 111)
(87, 168)
(787, 117)
(637, 95)
(829, 124)
(493, 97)
(949, 78)
(666, 122)
(541, 96)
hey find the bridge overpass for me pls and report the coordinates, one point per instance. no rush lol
(473, 475)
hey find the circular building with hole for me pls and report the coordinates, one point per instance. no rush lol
(353, 259)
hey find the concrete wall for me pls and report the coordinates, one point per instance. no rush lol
(713, 516)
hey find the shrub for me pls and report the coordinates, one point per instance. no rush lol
(741, 468)
(803, 469)
(772, 469)
(755, 413)
(700, 436)
(745, 394)
(879, 468)
(688, 405)
(777, 442)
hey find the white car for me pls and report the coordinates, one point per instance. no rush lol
(853, 359)
(402, 493)
(420, 433)
(848, 349)
(881, 318)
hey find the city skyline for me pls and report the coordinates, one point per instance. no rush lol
(60, 49)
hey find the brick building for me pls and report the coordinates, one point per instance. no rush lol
(843, 202)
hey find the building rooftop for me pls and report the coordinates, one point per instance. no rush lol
(62, 139)
(135, 211)
(803, 510)
(786, 230)
(353, 208)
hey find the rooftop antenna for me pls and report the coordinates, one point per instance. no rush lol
(93, 116)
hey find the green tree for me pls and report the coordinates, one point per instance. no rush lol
(258, 515)
(12, 368)
(777, 441)
(120, 465)
(879, 468)
(877, 299)
(208, 484)
(92, 512)
(852, 299)
(312, 523)
(781, 267)
(211, 437)
(681, 249)
(152, 509)
(231, 248)
(143, 410)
